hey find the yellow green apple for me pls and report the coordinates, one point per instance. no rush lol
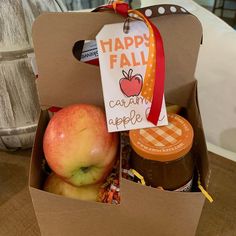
(77, 145)
(56, 185)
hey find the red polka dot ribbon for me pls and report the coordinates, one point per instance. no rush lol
(153, 88)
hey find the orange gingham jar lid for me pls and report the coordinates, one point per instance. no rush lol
(163, 143)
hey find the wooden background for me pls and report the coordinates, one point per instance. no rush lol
(19, 105)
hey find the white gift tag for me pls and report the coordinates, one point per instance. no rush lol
(123, 60)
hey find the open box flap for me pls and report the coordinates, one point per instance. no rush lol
(62, 76)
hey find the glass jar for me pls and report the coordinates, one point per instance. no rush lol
(162, 155)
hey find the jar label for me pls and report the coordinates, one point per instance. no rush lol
(90, 51)
(186, 188)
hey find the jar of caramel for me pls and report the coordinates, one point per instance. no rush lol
(162, 155)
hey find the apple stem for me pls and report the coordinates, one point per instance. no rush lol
(130, 73)
(85, 169)
(125, 74)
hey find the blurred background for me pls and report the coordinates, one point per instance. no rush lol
(86, 4)
(82, 4)
(215, 70)
(225, 9)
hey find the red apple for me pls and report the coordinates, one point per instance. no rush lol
(77, 145)
(55, 184)
(131, 85)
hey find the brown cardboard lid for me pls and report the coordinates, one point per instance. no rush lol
(61, 75)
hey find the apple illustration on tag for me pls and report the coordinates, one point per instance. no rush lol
(131, 85)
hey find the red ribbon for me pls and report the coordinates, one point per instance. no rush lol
(54, 109)
(121, 8)
(158, 92)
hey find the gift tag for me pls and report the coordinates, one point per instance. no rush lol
(123, 60)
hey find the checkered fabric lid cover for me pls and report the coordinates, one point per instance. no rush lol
(165, 143)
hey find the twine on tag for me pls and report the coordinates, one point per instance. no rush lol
(153, 89)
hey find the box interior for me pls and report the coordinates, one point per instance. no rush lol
(37, 177)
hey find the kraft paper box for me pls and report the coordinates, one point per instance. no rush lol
(63, 80)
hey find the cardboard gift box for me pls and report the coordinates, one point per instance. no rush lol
(63, 80)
